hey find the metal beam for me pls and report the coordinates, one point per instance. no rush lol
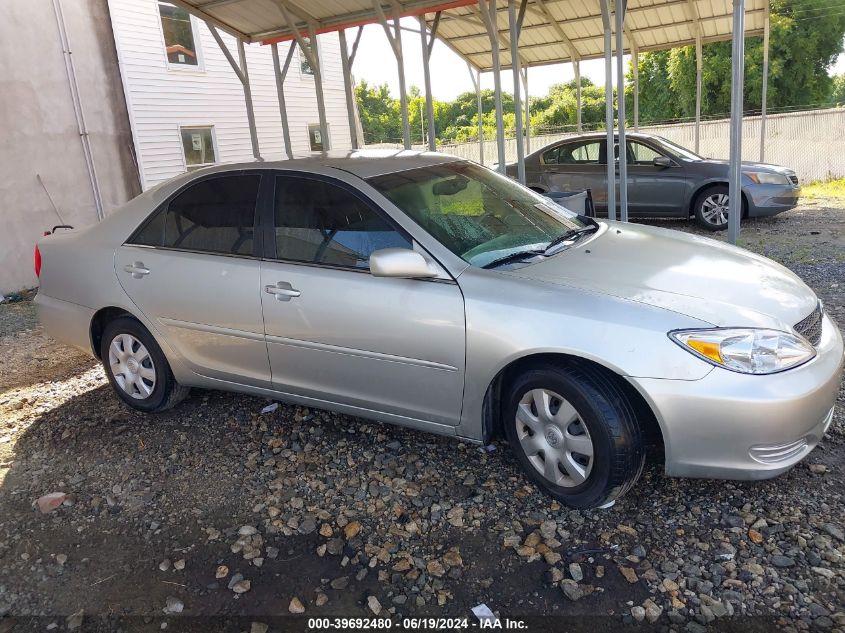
(427, 47)
(527, 111)
(578, 103)
(504, 40)
(620, 105)
(488, 14)
(515, 25)
(280, 74)
(737, 84)
(765, 88)
(606, 18)
(543, 10)
(635, 65)
(242, 74)
(698, 63)
(395, 40)
(346, 61)
(476, 83)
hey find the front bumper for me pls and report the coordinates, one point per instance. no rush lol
(766, 200)
(736, 426)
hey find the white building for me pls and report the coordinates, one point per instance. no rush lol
(186, 105)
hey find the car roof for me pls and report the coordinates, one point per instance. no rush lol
(361, 163)
(603, 135)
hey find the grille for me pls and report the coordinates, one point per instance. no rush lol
(793, 178)
(811, 327)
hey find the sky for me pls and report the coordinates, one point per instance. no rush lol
(376, 64)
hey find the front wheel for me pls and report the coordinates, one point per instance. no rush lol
(575, 434)
(711, 208)
(137, 369)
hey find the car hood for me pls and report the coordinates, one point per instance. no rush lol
(748, 166)
(695, 276)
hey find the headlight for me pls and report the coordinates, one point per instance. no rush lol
(748, 351)
(766, 178)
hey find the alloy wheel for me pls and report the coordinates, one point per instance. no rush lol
(132, 366)
(714, 209)
(554, 438)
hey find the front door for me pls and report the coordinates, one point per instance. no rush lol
(575, 166)
(192, 270)
(653, 189)
(336, 333)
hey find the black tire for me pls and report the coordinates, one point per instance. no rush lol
(702, 216)
(166, 392)
(610, 420)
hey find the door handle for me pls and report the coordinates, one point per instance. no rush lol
(282, 291)
(137, 270)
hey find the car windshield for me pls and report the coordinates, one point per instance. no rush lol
(476, 213)
(678, 150)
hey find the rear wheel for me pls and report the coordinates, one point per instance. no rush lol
(711, 208)
(137, 369)
(575, 434)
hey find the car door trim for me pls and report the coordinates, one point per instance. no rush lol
(348, 351)
(212, 329)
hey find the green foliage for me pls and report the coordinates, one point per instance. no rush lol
(837, 94)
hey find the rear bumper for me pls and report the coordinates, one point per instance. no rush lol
(767, 200)
(66, 322)
(736, 426)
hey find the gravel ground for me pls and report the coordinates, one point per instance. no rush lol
(214, 509)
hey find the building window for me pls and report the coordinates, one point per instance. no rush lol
(179, 36)
(198, 146)
(315, 138)
(304, 67)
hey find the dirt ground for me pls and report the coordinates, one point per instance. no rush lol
(349, 518)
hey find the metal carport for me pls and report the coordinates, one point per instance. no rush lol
(491, 35)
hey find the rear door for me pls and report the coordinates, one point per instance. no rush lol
(576, 166)
(335, 332)
(193, 270)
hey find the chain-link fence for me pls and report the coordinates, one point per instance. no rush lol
(811, 142)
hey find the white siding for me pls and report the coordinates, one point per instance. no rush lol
(161, 98)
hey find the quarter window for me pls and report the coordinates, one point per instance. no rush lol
(216, 215)
(179, 36)
(321, 223)
(198, 146)
(586, 153)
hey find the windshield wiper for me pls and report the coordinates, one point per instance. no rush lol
(569, 235)
(513, 257)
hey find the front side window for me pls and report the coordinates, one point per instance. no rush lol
(198, 146)
(179, 36)
(479, 215)
(640, 154)
(318, 222)
(216, 215)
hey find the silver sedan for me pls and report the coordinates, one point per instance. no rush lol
(429, 292)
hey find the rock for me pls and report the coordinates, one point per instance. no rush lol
(670, 585)
(247, 530)
(638, 551)
(551, 558)
(652, 613)
(242, 586)
(548, 530)
(779, 560)
(755, 536)
(164, 565)
(296, 605)
(630, 574)
(374, 605)
(456, 516)
(326, 530)
(61, 559)
(818, 469)
(626, 530)
(173, 606)
(221, 572)
(435, 568)
(575, 572)
(258, 627)
(236, 578)
(638, 613)
(321, 599)
(340, 583)
(571, 589)
(351, 530)
(74, 621)
(307, 526)
(834, 530)
(179, 564)
(335, 546)
(50, 502)
(553, 575)
(823, 571)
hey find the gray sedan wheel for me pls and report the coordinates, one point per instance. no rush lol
(574, 432)
(136, 367)
(711, 208)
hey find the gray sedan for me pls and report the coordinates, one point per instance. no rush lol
(429, 292)
(664, 179)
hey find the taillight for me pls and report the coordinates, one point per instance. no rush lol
(37, 261)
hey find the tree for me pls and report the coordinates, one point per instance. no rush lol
(837, 95)
(380, 115)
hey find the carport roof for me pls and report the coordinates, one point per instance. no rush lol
(553, 30)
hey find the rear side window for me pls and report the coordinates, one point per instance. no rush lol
(321, 223)
(216, 215)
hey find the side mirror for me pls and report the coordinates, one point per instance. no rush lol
(663, 161)
(400, 262)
